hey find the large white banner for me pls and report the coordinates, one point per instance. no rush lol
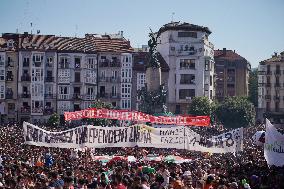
(273, 146)
(136, 135)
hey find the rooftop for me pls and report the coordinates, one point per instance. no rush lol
(183, 26)
(227, 55)
(88, 44)
(275, 58)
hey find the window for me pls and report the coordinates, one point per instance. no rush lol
(125, 90)
(113, 91)
(187, 34)
(37, 74)
(37, 90)
(2, 75)
(37, 58)
(187, 64)
(211, 94)
(64, 76)
(91, 63)
(211, 80)
(268, 106)
(26, 62)
(64, 92)
(49, 60)
(141, 80)
(177, 111)
(77, 62)
(185, 93)
(2, 91)
(276, 106)
(48, 89)
(114, 74)
(64, 62)
(207, 63)
(125, 103)
(63, 106)
(187, 79)
(103, 74)
(90, 76)
(9, 76)
(77, 77)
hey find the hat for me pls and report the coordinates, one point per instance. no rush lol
(187, 173)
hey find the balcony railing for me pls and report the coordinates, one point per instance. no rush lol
(104, 63)
(37, 64)
(9, 95)
(26, 64)
(48, 111)
(25, 95)
(50, 96)
(37, 110)
(49, 79)
(115, 63)
(103, 79)
(276, 98)
(103, 95)
(77, 96)
(114, 79)
(268, 72)
(277, 85)
(2, 64)
(90, 97)
(277, 72)
(49, 65)
(25, 110)
(25, 78)
(114, 96)
(267, 97)
(63, 96)
(268, 85)
(10, 78)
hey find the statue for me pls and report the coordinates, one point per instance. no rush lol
(153, 95)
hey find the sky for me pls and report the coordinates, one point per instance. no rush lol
(254, 28)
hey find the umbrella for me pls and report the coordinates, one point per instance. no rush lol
(103, 159)
(175, 159)
(131, 159)
(151, 157)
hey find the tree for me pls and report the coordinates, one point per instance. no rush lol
(235, 112)
(253, 87)
(53, 120)
(200, 106)
(100, 122)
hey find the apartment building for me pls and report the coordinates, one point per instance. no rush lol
(58, 74)
(232, 74)
(190, 56)
(271, 89)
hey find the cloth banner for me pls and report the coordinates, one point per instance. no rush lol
(137, 116)
(133, 136)
(273, 146)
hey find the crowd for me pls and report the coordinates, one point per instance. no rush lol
(29, 167)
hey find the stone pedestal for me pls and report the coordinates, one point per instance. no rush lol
(153, 78)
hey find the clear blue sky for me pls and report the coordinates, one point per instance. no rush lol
(254, 28)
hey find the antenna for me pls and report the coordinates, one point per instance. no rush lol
(173, 17)
(31, 28)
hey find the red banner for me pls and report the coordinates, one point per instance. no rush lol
(137, 116)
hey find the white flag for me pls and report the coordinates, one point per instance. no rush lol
(273, 146)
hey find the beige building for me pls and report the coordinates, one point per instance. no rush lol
(232, 74)
(271, 88)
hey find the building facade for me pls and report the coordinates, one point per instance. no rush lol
(190, 57)
(232, 74)
(271, 89)
(43, 74)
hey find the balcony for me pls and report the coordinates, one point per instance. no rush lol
(104, 63)
(277, 85)
(268, 85)
(268, 72)
(25, 110)
(38, 110)
(9, 95)
(26, 64)
(90, 97)
(115, 63)
(25, 78)
(261, 72)
(77, 96)
(64, 65)
(268, 97)
(10, 64)
(277, 72)
(276, 98)
(63, 96)
(25, 95)
(114, 96)
(103, 79)
(10, 78)
(2, 63)
(48, 111)
(37, 64)
(114, 79)
(103, 95)
(48, 65)
(49, 96)
(49, 79)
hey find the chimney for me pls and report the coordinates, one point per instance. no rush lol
(224, 51)
(234, 51)
(275, 54)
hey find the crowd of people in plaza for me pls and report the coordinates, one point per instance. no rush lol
(24, 166)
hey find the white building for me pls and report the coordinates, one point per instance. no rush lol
(271, 89)
(190, 56)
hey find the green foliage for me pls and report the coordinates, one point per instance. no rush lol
(100, 122)
(200, 106)
(235, 112)
(53, 120)
(253, 87)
